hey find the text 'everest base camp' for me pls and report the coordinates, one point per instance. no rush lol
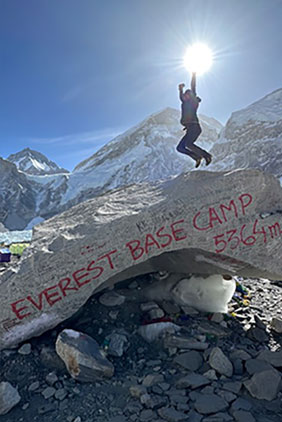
(119, 217)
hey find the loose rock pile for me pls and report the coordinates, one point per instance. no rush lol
(195, 367)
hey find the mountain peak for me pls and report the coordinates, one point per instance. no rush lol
(266, 109)
(33, 162)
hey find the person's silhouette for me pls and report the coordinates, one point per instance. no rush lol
(189, 119)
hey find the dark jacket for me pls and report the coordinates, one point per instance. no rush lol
(189, 107)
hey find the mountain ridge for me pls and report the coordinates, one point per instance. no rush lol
(147, 153)
(34, 162)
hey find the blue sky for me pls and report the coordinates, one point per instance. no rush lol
(76, 73)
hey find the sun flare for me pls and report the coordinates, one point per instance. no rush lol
(198, 58)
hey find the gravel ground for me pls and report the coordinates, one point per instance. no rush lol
(216, 368)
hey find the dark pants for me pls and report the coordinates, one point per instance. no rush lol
(186, 145)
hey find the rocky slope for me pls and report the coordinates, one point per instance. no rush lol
(252, 137)
(33, 162)
(215, 368)
(17, 198)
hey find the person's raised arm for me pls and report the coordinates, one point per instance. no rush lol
(180, 87)
(193, 83)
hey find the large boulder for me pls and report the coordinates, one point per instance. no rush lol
(200, 222)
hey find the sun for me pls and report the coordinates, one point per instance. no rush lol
(198, 58)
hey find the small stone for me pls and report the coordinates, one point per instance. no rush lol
(170, 308)
(276, 325)
(241, 404)
(257, 334)
(171, 415)
(51, 378)
(61, 394)
(118, 418)
(156, 390)
(194, 416)
(77, 419)
(256, 365)
(148, 306)
(264, 385)
(48, 392)
(49, 407)
(184, 343)
(190, 360)
(211, 375)
(152, 379)
(233, 386)
(238, 367)
(9, 397)
(220, 362)
(219, 417)
(192, 381)
(207, 390)
(146, 415)
(210, 403)
(227, 395)
(164, 386)
(34, 386)
(113, 314)
(178, 397)
(151, 332)
(118, 343)
(274, 358)
(137, 391)
(243, 416)
(259, 323)
(217, 317)
(25, 406)
(240, 354)
(156, 313)
(111, 298)
(153, 401)
(25, 349)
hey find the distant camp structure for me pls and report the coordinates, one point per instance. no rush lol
(13, 243)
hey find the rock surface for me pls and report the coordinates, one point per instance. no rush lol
(264, 385)
(9, 397)
(147, 385)
(82, 357)
(201, 222)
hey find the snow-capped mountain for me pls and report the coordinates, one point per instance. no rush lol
(33, 162)
(147, 152)
(144, 153)
(252, 137)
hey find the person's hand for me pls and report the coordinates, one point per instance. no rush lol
(181, 86)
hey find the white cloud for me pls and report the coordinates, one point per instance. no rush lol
(96, 137)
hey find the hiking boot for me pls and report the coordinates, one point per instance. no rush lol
(208, 160)
(198, 162)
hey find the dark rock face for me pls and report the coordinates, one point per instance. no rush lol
(17, 199)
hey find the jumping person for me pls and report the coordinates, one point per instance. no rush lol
(189, 119)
